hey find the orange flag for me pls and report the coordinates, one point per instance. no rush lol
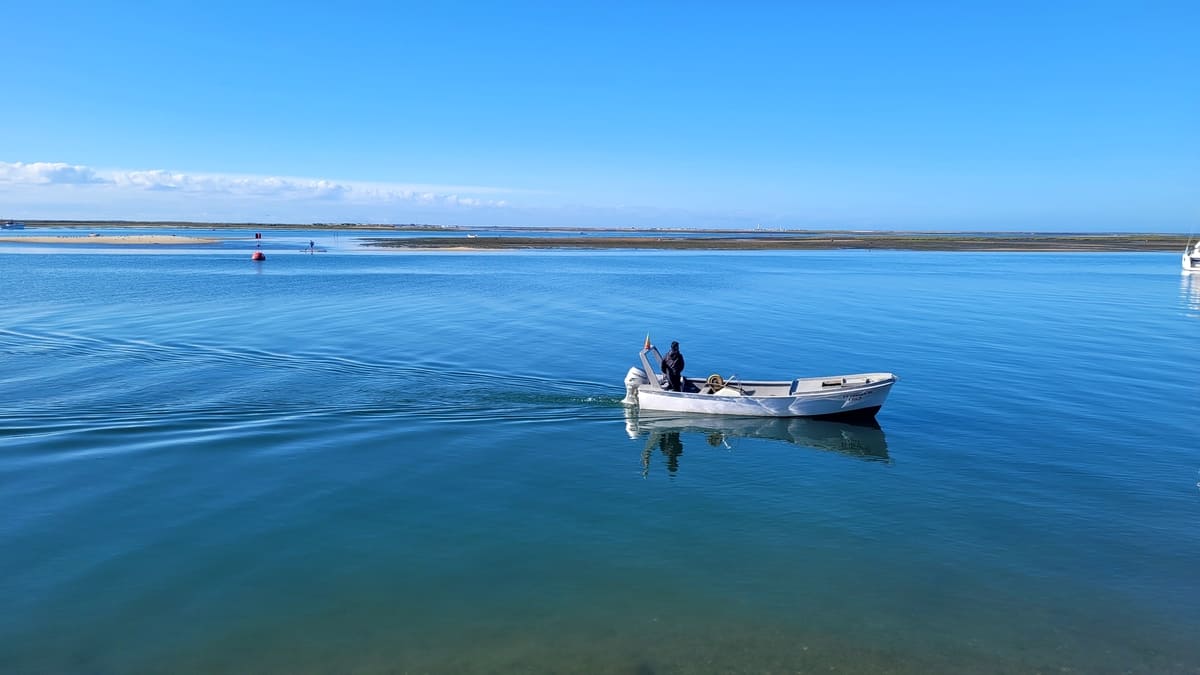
(647, 341)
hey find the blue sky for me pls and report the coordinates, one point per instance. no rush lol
(859, 115)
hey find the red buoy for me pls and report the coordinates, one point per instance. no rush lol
(258, 255)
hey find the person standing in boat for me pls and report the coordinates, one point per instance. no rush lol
(672, 367)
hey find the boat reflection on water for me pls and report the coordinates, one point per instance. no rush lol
(665, 432)
(1189, 290)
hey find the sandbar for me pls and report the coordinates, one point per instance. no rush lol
(141, 239)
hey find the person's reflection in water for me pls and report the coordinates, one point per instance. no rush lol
(669, 444)
(672, 447)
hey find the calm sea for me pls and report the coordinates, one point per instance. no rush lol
(418, 462)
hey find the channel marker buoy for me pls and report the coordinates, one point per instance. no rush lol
(258, 255)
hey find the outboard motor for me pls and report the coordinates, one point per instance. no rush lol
(634, 379)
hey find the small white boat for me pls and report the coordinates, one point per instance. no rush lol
(857, 396)
(1191, 258)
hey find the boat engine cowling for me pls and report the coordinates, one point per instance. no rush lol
(635, 378)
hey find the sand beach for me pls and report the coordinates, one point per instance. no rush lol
(128, 239)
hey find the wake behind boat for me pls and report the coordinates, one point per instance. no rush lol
(857, 396)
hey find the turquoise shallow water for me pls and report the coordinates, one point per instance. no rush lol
(419, 463)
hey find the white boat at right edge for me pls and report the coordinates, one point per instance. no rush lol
(1191, 258)
(849, 397)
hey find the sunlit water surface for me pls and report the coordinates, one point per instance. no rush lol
(419, 463)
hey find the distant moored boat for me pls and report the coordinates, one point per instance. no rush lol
(1191, 258)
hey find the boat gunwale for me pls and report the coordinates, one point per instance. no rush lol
(832, 392)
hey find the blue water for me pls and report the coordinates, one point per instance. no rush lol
(406, 462)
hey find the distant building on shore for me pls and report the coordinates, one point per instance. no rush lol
(12, 225)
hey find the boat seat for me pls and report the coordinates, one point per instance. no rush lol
(834, 383)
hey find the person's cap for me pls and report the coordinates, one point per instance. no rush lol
(674, 345)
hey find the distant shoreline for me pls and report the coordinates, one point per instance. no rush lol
(804, 242)
(527, 238)
(190, 225)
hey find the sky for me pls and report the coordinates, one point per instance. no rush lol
(1038, 116)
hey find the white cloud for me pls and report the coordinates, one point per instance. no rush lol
(47, 173)
(127, 184)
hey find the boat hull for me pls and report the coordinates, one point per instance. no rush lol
(848, 404)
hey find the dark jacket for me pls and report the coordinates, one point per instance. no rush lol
(672, 363)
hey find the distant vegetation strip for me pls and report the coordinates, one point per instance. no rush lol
(805, 242)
